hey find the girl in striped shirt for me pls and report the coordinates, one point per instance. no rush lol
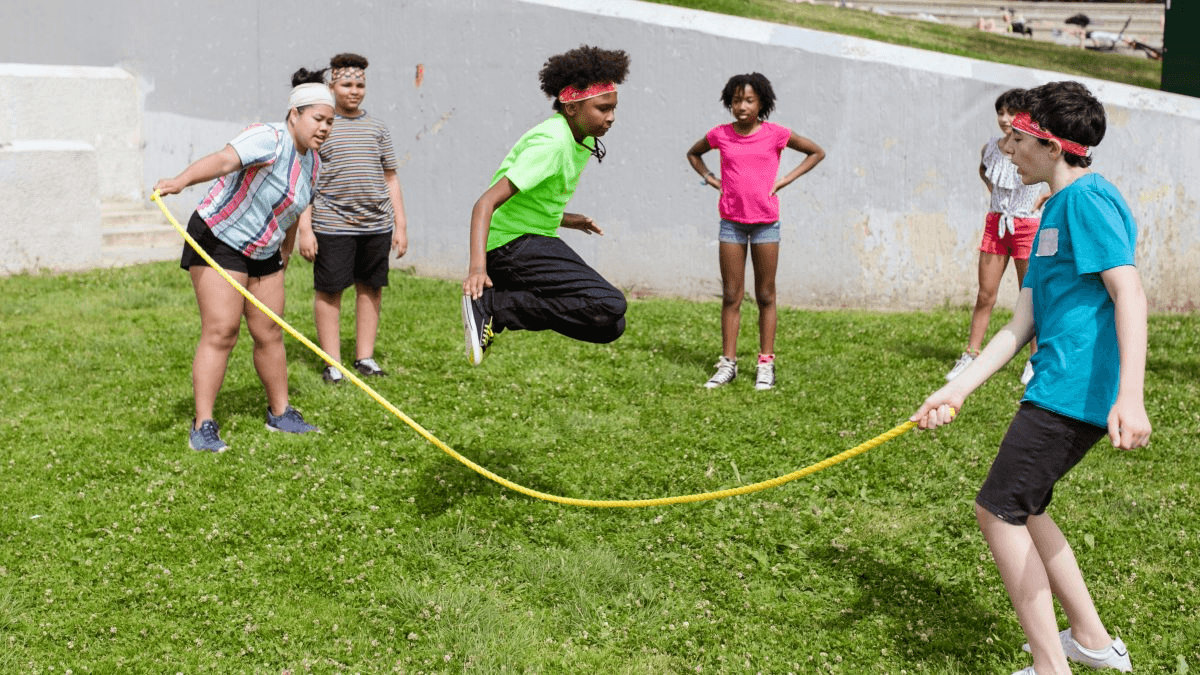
(264, 180)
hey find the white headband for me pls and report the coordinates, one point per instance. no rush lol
(310, 93)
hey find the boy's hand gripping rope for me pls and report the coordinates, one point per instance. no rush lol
(597, 503)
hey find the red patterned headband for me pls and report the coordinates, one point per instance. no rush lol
(1025, 124)
(570, 94)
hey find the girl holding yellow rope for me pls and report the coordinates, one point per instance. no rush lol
(264, 180)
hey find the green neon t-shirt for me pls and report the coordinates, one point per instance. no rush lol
(545, 165)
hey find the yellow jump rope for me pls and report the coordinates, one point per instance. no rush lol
(596, 503)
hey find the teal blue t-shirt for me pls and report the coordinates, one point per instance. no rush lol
(1086, 228)
(545, 165)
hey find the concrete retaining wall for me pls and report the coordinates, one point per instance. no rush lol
(98, 106)
(891, 219)
(60, 233)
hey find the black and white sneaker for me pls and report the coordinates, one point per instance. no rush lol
(726, 371)
(368, 367)
(332, 375)
(477, 329)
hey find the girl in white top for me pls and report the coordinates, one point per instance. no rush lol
(1009, 228)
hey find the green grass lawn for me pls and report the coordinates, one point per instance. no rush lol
(1136, 70)
(365, 549)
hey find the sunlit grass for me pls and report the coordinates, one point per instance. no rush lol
(365, 549)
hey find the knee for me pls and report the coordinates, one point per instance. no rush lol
(986, 299)
(223, 338)
(267, 336)
(614, 307)
(765, 298)
(616, 330)
(731, 298)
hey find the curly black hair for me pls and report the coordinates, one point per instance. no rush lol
(1012, 100)
(1068, 110)
(348, 60)
(581, 68)
(306, 76)
(761, 86)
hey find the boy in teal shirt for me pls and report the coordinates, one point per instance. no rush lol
(522, 276)
(1083, 295)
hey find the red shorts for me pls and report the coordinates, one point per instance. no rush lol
(1014, 244)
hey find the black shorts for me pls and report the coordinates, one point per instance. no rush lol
(225, 255)
(344, 259)
(1039, 449)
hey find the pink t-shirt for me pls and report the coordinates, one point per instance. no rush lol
(749, 165)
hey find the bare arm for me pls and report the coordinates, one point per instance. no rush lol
(219, 163)
(814, 156)
(941, 405)
(400, 231)
(1128, 424)
(584, 224)
(481, 219)
(983, 169)
(308, 240)
(693, 156)
(289, 242)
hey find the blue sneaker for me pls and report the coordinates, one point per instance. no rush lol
(207, 438)
(290, 422)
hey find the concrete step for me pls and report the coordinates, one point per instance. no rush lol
(134, 233)
(120, 256)
(147, 234)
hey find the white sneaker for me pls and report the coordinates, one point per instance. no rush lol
(1027, 374)
(959, 366)
(726, 371)
(766, 376)
(1115, 656)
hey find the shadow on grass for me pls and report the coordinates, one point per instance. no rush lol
(447, 482)
(930, 620)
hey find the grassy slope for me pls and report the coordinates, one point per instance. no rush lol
(365, 549)
(967, 42)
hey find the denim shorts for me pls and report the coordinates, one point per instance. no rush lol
(1039, 449)
(753, 233)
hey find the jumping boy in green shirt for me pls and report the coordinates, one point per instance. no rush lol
(522, 276)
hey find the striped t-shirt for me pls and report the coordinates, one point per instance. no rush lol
(252, 208)
(352, 196)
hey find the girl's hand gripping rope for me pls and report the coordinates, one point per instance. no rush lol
(939, 409)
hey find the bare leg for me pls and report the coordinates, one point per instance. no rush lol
(1066, 581)
(270, 359)
(765, 258)
(991, 270)
(1021, 266)
(1028, 588)
(220, 321)
(733, 289)
(327, 313)
(368, 304)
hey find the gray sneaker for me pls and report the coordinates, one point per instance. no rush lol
(726, 371)
(1116, 656)
(289, 422)
(207, 438)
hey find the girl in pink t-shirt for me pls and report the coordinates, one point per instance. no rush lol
(749, 206)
